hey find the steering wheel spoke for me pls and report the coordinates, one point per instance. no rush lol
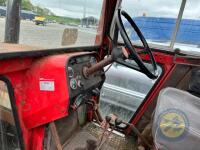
(133, 54)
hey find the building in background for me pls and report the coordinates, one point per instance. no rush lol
(2, 11)
(24, 13)
(27, 15)
(89, 22)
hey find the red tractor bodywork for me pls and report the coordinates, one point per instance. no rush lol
(36, 108)
(25, 70)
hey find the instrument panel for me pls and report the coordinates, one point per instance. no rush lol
(54, 83)
(77, 82)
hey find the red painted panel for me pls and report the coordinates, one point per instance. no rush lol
(167, 63)
(38, 105)
(37, 138)
(46, 89)
(13, 65)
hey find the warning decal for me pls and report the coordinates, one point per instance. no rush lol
(47, 85)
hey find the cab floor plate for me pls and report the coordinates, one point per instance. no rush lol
(93, 132)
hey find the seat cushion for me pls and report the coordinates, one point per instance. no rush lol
(176, 123)
(194, 84)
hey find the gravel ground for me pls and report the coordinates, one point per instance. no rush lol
(48, 36)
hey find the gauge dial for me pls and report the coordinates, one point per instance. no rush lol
(73, 84)
(93, 60)
(70, 72)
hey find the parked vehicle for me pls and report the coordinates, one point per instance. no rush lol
(40, 20)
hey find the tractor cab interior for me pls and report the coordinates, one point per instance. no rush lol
(65, 98)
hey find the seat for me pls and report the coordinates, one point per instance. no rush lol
(194, 83)
(176, 124)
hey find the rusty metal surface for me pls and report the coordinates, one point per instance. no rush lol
(55, 135)
(187, 60)
(87, 71)
(93, 132)
(12, 51)
(10, 48)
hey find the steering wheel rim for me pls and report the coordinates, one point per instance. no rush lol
(133, 53)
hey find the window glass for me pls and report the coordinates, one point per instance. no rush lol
(189, 31)
(59, 23)
(8, 131)
(155, 18)
(124, 90)
(2, 18)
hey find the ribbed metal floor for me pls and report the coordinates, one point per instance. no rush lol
(93, 132)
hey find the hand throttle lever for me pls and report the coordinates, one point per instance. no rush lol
(87, 71)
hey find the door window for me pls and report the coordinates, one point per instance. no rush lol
(8, 130)
(189, 31)
(124, 90)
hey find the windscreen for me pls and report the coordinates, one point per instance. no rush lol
(189, 31)
(157, 20)
(9, 139)
(57, 23)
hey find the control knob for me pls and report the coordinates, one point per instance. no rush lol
(80, 83)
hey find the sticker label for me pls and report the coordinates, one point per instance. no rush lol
(47, 86)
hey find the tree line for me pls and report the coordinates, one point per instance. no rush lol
(27, 5)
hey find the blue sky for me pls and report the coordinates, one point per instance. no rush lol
(156, 8)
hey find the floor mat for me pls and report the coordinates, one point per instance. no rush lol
(93, 132)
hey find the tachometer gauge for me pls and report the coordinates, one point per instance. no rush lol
(93, 60)
(70, 72)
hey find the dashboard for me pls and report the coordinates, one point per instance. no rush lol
(77, 82)
(54, 84)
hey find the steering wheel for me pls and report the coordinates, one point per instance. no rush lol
(151, 73)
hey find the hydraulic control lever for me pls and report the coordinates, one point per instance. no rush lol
(117, 121)
(135, 130)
